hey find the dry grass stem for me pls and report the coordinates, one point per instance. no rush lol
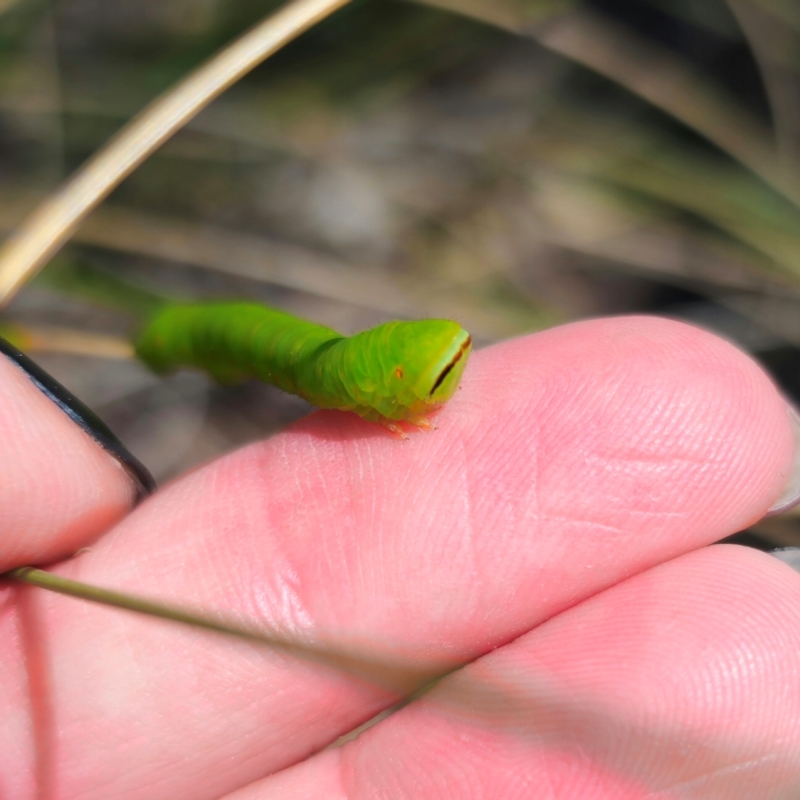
(56, 339)
(657, 76)
(647, 70)
(390, 674)
(53, 222)
(774, 46)
(7, 5)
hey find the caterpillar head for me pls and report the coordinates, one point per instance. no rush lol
(425, 362)
(439, 382)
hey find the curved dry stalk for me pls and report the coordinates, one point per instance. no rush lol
(726, 199)
(785, 10)
(774, 45)
(7, 5)
(55, 339)
(645, 69)
(54, 221)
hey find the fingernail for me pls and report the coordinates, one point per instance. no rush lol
(791, 494)
(84, 417)
(789, 555)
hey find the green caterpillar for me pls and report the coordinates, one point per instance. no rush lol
(396, 372)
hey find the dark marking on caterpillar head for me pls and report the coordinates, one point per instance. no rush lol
(446, 371)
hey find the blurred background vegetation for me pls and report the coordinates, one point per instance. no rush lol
(512, 164)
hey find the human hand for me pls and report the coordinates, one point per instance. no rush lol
(552, 531)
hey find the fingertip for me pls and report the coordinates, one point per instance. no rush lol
(640, 388)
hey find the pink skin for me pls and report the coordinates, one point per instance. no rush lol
(555, 520)
(58, 488)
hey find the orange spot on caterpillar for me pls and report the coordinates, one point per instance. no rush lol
(399, 372)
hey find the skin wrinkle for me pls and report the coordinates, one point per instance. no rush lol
(588, 523)
(505, 518)
(702, 780)
(667, 419)
(278, 603)
(631, 513)
(457, 457)
(492, 490)
(458, 545)
(651, 515)
(333, 504)
(364, 473)
(532, 501)
(34, 646)
(440, 541)
(382, 579)
(669, 415)
(207, 560)
(293, 614)
(630, 462)
(376, 575)
(666, 423)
